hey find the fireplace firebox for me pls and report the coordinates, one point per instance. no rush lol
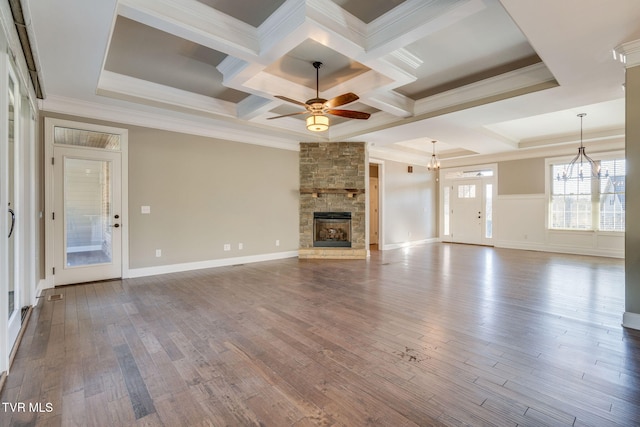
(332, 229)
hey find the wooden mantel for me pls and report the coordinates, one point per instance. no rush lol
(315, 192)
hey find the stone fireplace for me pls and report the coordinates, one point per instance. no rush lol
(332, 200)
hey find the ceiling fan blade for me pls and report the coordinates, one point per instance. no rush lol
(350, 114)
(287, 115)
(343, 99)
(293, 101)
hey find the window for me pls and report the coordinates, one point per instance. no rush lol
(467, 191)
(585, 202)
(446, 211)
(612, 200)
(488, 209)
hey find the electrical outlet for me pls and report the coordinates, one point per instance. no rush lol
(158, 253)
(145, 209)
(277, 242)
(227, 246)
(240, 246)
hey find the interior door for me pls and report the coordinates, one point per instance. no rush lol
(467, 214)
(87, 215)
(12, 212)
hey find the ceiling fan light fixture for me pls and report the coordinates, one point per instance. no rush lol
(317, 123)
(318, 107)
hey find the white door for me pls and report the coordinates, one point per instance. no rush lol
(15, 219)
(467, 216)
(87, 214)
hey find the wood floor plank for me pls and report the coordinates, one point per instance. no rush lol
(432, 335)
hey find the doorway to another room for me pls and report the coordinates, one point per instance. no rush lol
(374, 206)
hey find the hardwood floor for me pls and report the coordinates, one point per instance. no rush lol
(439, 334)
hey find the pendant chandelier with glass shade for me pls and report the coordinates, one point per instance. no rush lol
(580, 159)
(434, 163)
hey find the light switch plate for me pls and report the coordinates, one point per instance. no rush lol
(145, 209)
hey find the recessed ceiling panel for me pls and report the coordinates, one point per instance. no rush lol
(146, 53)
(480, 46)
(248, 11)
(297, 66)
(368, 10)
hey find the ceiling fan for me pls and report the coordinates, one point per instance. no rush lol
(318, 107)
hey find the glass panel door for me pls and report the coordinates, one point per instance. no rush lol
(87, 212)
(11, 210)
(87, 217)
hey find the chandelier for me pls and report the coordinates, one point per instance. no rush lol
(434, 163)
(580, 158)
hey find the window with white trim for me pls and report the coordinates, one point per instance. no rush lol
(587, 202)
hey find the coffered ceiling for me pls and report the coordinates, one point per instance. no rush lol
(482, 77)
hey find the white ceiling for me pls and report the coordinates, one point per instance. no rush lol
(484, 78)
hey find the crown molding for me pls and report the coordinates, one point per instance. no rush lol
(156, 94)
(391, 102)
(600, 135)
(207, 127)
(519, 79)
(284, 21)
(632, 52)
(403, 56)
(604, 146)
(337, 27)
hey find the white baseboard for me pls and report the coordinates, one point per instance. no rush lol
(541, 247)
(631, 320)
(42, 285)
(408, 244)
(224, 262)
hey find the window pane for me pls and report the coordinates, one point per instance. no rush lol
(446, 211)
(86, 138)
(87, 211)
(488, 209)
(571, 205)
(612, 195)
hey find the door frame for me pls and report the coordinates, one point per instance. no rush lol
(50, 246)
(447, 179)
(24, 202)
(381, 176)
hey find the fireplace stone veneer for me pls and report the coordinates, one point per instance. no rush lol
(335, 171)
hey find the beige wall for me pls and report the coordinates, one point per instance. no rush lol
(410, 203)
(204, 193)
(632, 234)
(521, 177)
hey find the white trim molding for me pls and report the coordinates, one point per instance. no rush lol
(631, 50)
(631, 320)
(223, 262)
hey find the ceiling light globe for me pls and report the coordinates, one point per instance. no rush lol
(317, 123)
